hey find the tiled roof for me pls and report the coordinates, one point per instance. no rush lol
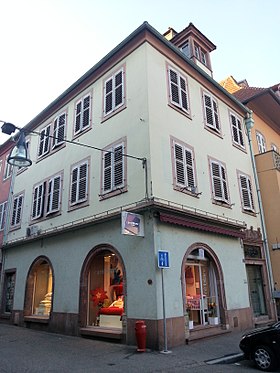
(246, 94)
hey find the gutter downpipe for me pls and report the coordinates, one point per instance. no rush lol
(249, 123)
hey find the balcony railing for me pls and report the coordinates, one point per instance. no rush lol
(276, 160)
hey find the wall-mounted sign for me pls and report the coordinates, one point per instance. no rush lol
(132, 224)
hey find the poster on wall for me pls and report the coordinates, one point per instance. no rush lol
(132, 224)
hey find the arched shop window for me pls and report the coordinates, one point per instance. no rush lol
(38, 300)
(202, 301)
(105, 290)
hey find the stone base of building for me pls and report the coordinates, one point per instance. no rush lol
(68, 323)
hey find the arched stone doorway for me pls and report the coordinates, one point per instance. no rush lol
(39, 289)
(102, 289)
(204, 295)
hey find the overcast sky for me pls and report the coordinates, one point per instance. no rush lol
(46, 45)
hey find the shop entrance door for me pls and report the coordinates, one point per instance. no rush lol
(201, 291)
(255, 280)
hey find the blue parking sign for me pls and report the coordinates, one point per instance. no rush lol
(163, 259)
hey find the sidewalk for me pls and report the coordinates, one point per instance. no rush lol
(25, 350)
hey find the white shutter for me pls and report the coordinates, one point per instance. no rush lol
(53, 195)
(38, 201)
(44, 141)
(246, 191)
(219, 182)
(79, 183)
(59, 130)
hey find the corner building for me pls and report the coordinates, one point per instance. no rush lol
(166, 168)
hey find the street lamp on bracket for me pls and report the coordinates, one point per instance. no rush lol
(19, 153)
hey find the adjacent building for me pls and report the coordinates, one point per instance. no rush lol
(265, 103)
(142, 163)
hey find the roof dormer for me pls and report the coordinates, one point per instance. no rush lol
(194, 45)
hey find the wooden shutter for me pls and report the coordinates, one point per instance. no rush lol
(179, 164)
(78, 117)
(38, 201)
(184, 97)
(118, 166)
(3, 207)
(190, 168)
(53, 195)
(208, 110)
(59, 130)
(119, 88)
(44, 141)
(246, 191)
(107, 171)
(220, 189)
(86, 112)
(108, 101)
(79, 183)
(174, 87)
(17, 208)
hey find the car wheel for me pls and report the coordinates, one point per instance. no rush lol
(264, 359)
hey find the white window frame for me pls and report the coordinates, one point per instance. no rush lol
(112, 93)
(46, 199)
(219, 182)
(17, 210)
(184, 167)
(237, 130)
(110, 167)
(211, 109)
(82, 111)
(245, 184)
(261, 142)
(79, 183)
(3, 211)
(178, 88)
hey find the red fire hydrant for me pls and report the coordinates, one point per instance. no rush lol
(141, 333)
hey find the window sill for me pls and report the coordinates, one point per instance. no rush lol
(181, 111)
(114, 193)
(38, 319)
(213, 131)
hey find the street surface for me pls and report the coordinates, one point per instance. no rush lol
(27, 351)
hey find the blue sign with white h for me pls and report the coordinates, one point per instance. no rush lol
(163, 259)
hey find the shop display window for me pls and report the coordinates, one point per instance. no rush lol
(42, 295)
(106, 300)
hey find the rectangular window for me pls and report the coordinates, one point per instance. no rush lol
(46, 197)
(114, 92)
(17, 211)
(237, 131)
(8, 169)
(211, 112)
(184, 169)
(246, 192)
(219, 181)
(79, 183)
(261, 142)
(178, 90)
(3, 209)
(82, 114)
(59, 130)
(53, 135)
(113, 168)
(200, 54)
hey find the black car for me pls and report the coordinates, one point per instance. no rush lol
(262, 345)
